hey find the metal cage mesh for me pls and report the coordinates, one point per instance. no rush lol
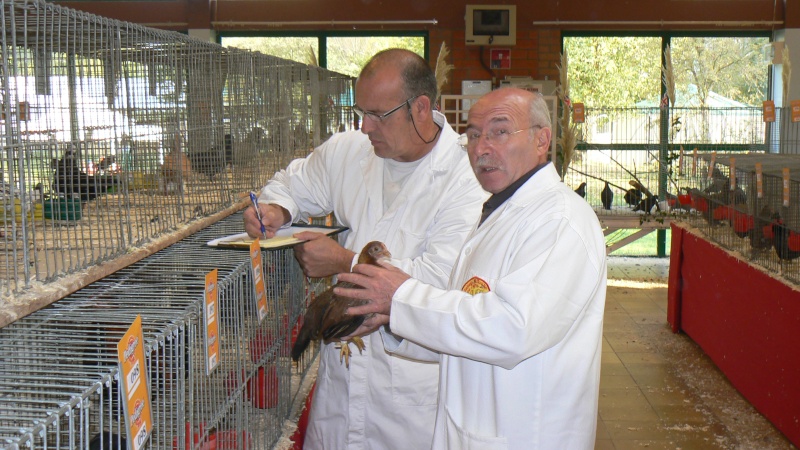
(114, 133)
(59, 375)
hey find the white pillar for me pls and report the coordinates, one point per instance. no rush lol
(203, 34)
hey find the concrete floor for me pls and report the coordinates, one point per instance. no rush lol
(658, 390)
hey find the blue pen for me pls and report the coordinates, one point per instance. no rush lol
(258, 214)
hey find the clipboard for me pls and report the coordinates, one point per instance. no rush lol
(284, 238)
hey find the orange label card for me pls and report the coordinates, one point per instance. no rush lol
(578, 113)
(258, 280)
(711, 164)
(211, 321)
(795, 105)
(135, 396)
(786, 187)
(768, 111)
(759, 181)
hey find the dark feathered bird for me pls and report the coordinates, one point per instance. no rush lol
(607, 196)
(325, 317)
(70, 180)
(647, 204)
(581, 190)
(761, 235)
(213, 161)
(785, 241)
(108, 441)
(633, 196)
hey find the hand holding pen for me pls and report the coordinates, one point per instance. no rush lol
(258, 214)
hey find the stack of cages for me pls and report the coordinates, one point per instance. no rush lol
(59, 381)
(115, 134)
(748, 204)
(647, 155)
(617, 155)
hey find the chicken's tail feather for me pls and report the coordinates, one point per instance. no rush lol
(303, 339)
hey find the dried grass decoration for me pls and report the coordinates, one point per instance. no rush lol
(567, 138)
(441, 71)
(668, 76)
(786, 73)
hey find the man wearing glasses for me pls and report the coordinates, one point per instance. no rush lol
(403, 180)
(518, 334)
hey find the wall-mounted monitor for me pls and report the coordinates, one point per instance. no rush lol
(491, 25)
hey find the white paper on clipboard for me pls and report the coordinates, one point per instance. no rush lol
(283, 238)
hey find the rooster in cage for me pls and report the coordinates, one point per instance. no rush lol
(785, 241)
(70, 181)
(212, 161)
(326, 316)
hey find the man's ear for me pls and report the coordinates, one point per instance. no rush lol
(422, 104)
(543, 140)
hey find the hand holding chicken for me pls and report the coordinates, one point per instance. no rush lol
(327, 318)
(378, 284)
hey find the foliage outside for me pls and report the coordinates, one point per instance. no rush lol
(620, 72)
(345, 55)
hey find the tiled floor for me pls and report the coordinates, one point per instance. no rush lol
(658, 390)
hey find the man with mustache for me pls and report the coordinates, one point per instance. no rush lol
(518, 334)
(402, 180)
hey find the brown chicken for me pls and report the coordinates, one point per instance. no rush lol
(174, 171)
(325, 317)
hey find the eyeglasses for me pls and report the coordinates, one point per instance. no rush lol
(375, 117)
(495, 136)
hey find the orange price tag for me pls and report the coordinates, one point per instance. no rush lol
(795, 106)
(23, 110)
(210, 318)
(578, 113)
(711, 164)
(135, 395)
(258, 280)
(759, 181)
(768, 111)
(786, 187)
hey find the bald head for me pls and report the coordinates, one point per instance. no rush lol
(415, 73)
(509, 135)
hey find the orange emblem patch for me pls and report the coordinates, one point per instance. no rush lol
(475, 286)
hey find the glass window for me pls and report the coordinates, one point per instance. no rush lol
(613, 71)
(300, 49)
(347, 55)
(343, 54)
(720, 71)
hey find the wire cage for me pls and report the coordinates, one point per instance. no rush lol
(748, 203)
(114, 133)
(651, 148)
(59, 381)
(698, 165)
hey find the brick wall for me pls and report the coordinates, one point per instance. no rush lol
(536, 54)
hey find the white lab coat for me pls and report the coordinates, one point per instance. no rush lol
(520, 364)
(381, 401)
